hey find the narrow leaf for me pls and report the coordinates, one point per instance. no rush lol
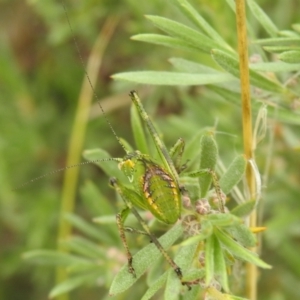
(85, 247)
(96, 202)
(172, 290)
(138, 130)
(208, 160)
(233, 174)
(206, 231)
(194, 274)
(48, 257)
(276, 67)
(223, 220)
(281, 41)
(231, 65)
(239, 251)
(280, 113)
(232, 297)
(185, 33)
(155, 286)
(209, 259)
(243, 209)
(193, 15)
(194, 294)
(172, 78)
(185, 256)
(164, 40)
(142, 260)
(184, 65)
(90, 230)
(220, 265)
(73, 283)
(242, 234)
(291, 57)
(263, 18)
(105, 162)
(279, 49)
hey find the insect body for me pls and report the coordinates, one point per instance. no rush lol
(155, 186)
(158, 188)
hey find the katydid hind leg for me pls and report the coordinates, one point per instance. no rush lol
(118, 188)
(120, 217)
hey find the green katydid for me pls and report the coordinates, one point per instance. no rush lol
(155, 185)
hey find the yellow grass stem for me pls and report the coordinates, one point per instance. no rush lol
(78, 136)
(251, 275)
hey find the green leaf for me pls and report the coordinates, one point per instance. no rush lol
(277, 112)
(90, 230)
(189, 66)
(223, 219)
(172, 290)
(163, 40)
(111, 219)
(288, 33)
(232, 297)
(85, 248)
(74, 282)
(242, 234)
(194, 274)
(231, 4)
(233, 174)
(296, 27)
(105, 162)
(243, 209)
(281, 41)
(185, 256)
(209, 259)
(206, 231)
(185, 33)
(262, 18)
(172, 78)
(155, 286)
(95, 201)
(276, 67)
(279, 49)
(231, 65)
(142, 260)
(194, 294)
(291, 57)
(191, 13)
(220, 265)
(208, 160)
(191, 152)
(138, 130)
(239, 251)
(49, 257)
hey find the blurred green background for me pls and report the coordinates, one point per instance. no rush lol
(40, 79)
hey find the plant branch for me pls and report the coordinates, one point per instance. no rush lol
(251, 276)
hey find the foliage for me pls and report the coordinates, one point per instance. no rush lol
(40, 78)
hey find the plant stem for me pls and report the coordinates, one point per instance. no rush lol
(77, 138)
(251, 275)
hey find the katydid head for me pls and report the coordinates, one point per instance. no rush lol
(128, 164)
